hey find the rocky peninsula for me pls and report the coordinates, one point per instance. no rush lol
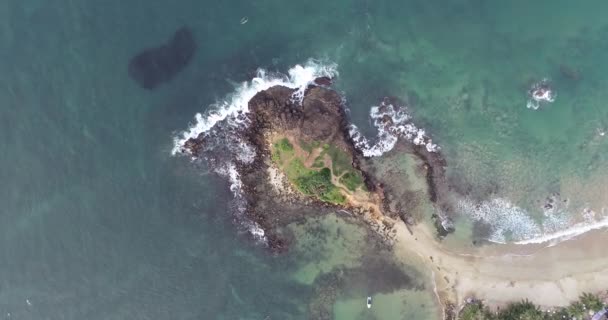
(306, 162)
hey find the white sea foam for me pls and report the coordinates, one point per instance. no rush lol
(257, 232)
(244, 151)
(392, 123)
(236, 104)
(229, 171)
(540, 93)
(568, 233)
(236, 186)
(505, 219)
(508, 220)
(226, 116)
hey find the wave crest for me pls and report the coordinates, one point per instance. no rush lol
(392, 123)
(510, 223)
(219, 126)
(233, 107)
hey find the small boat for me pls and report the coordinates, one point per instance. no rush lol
(369, 302)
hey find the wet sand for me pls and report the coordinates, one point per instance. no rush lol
(498, 274)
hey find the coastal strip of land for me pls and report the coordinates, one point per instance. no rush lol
(499, 274)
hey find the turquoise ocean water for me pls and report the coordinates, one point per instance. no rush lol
(99, 221)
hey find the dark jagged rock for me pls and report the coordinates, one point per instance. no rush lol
(321, 116)
(434, 167)
(157, 65)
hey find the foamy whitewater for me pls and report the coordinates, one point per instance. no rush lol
(240, 204)
(590, 223)
(392, 123)
(510, 223)
(236, 104)
(540, 93)
(222, 120)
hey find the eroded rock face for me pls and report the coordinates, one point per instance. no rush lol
(154, 66)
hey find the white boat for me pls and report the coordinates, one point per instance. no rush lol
(369, 302)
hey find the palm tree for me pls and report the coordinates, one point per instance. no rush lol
(523, 310)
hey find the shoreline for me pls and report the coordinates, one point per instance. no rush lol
(499, 274)
(567, 234)
(547, 275)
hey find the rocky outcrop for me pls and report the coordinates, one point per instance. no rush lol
(318, 117)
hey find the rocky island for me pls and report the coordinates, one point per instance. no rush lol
(305, 161)
(294, 155)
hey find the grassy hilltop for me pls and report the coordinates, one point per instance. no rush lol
(318, 170)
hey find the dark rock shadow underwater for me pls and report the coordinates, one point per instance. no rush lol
(154, 66)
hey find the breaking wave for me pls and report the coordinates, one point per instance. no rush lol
(235, 105)
(240, 203)
(510, 223)
(569, 233)
(392, 123)
(540, 93)
(219, 126)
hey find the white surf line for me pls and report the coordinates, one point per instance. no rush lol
(497, 256)
(567, 234)
(299, 77)
(232, 108)
(504, 216)
(389, 132)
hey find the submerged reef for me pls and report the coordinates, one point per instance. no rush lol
(154, 66)
(329, 286)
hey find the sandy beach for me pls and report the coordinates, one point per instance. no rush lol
(498, 274)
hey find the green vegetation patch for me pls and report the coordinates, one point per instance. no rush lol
(341, 161)
(521, 310)
(319, 162)
(281, 148)
(526, 310)
(283, 145)
(318, 183)
(314, 183)
(591, 302)
(352, 180)
(341, 166)
(309, 147)
(276, 156)
(475, 311)
(296, 169)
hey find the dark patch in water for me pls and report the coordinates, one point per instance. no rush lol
(359, 282)
(157, 65)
